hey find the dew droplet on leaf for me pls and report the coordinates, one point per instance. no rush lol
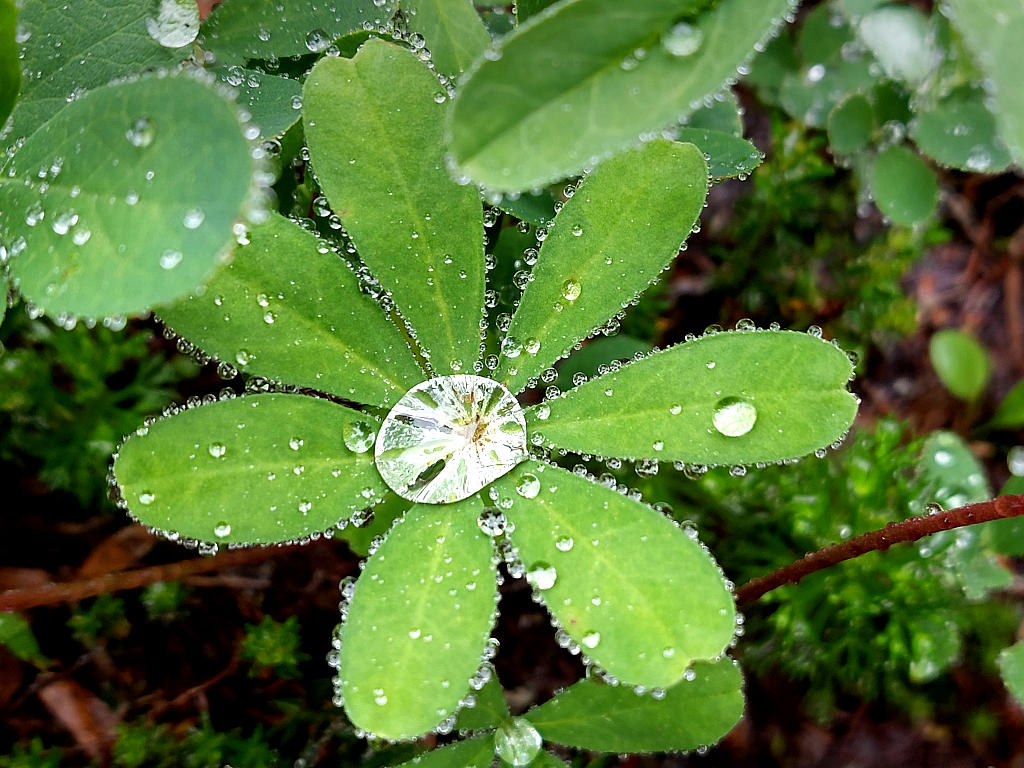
(517, 742)
(733, 416)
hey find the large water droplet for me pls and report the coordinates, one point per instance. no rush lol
(528, 486)
(492, 522)
(147, 497)
(682, 40)
(517, 742)
(141, 132)
(590, 639)
(358, 436)
(217, 450)
(317, 40)
(222, 529)
(174, 23)
(449, 437)
(571, 290)
(542, 576)
(734, 417)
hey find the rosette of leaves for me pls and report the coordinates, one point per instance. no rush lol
(302, 460)
(880, 626)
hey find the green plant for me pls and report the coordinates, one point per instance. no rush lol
(885, 624)
(885, 79)
(273, 645)
(356, 308)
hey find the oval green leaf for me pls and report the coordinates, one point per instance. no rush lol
(488, 712)
(534, 114)
(901, 39)
(452, 32)
(960, 132)
(73, 47)
(730, 398)
(288, 309)
(961, 363)
(581, 544)
(603, 718)
(993, 30)
(729, 155)
(850, 125)
(904, 187)
(613, 237)
(375, 140)
(10, 65)
(266, 29)
(418, 621)
(252, 470)
(80, 187)
(1010, 413)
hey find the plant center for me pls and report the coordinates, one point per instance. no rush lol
(448, 437)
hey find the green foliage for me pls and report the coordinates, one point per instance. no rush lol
(648, 63)
(262, 469)
(961, 362)
(254, 316)
(904, 187)
(703, 402)
(67, 58)
(273, 645)
(880, 626)
(991, 29)
(17, 637)
(36, 755)
(102, 619)
(272, 29)
(1010, 413)
(605, 247)
(1011, 667)
(163, 600)
(90, 386)
(375, 137)
(452, 31)
(599, 717)
(10, 67)
(78, 186)
(145, 745)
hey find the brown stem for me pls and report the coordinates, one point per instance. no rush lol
(894, 533)
(73, 591)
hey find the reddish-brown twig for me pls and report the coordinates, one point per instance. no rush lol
(894, 533)
(80, 589)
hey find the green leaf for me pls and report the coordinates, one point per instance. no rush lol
(251, 470)
(612, 238)
(452, 30)
(536, 208)
(289, 309)
(360, 538)
(103, 214)
(1011, 669)
(10, 65)
(730, 155)
(597, 352)
(992, 30)
(850, 125)
(904, 187)
(960, 132)
(1007, 536)
(273, 102)
(729, 398)
(962, 363)
(583, 544)
(17, 637)
(267, 29)
(901, 39)
(489, 711)
(531, 116)
(528, 8)
(1010, 413)
(418, 621)
(724, 114)
(375, 139)
(67, 54)
(471, 753)
(603, 718)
